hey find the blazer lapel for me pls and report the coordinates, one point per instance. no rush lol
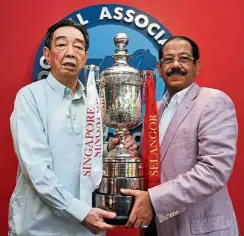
(180, 114)
(161, 106)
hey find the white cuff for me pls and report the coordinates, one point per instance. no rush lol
(78, 209)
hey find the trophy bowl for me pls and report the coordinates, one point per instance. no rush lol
(120, 89)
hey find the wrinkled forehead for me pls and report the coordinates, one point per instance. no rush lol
(177, 46)
(68, 32)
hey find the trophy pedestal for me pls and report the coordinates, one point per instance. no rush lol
(118, 203)
(118, 173)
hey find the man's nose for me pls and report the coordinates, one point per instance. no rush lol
(176, 63)
(70, 51)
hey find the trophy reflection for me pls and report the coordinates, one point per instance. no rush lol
(120, 89)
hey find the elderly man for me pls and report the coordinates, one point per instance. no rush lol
(47, 128)
(198, 135)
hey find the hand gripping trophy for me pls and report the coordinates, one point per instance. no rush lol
(120, 89)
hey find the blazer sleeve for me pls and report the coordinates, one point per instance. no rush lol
(217, 137)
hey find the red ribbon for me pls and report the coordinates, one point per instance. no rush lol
(150, 142)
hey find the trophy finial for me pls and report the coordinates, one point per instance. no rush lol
(121, 40)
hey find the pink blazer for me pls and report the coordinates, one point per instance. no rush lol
(197, 156)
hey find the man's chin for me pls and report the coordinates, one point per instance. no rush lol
(69, 73)
(176, 84)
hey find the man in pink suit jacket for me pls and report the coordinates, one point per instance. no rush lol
(197, 153)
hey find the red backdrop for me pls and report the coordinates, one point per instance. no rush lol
(217, 26)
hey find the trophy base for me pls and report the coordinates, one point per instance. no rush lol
(119, 220)
(120, 204)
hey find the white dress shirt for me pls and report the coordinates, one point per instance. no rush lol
(170, 109)
(47, 200)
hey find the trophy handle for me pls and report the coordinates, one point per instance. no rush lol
(145, 74)
(87, 68)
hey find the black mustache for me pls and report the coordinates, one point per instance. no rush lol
(177, 71)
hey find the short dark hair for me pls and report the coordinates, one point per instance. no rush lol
(195, 49)
(62, 23)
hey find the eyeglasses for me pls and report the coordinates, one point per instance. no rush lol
(181, 60)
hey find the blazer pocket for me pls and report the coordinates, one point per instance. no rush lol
(182, 133)
(184, 140)
(210, 224)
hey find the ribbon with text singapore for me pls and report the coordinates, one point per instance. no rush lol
(91, 169)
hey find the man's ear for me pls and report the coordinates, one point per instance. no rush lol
(46, 53)
(159, 67)
(198, 65)
(86, 57)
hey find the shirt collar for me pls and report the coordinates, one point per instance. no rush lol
(63, 90)
(79, 91)
(178, 97)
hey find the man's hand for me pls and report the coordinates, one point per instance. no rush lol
(129, 144)
(142, 212)
(94, 221)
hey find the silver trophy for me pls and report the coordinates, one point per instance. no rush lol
(120, 89)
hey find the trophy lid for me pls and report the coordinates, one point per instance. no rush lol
(120, 57)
